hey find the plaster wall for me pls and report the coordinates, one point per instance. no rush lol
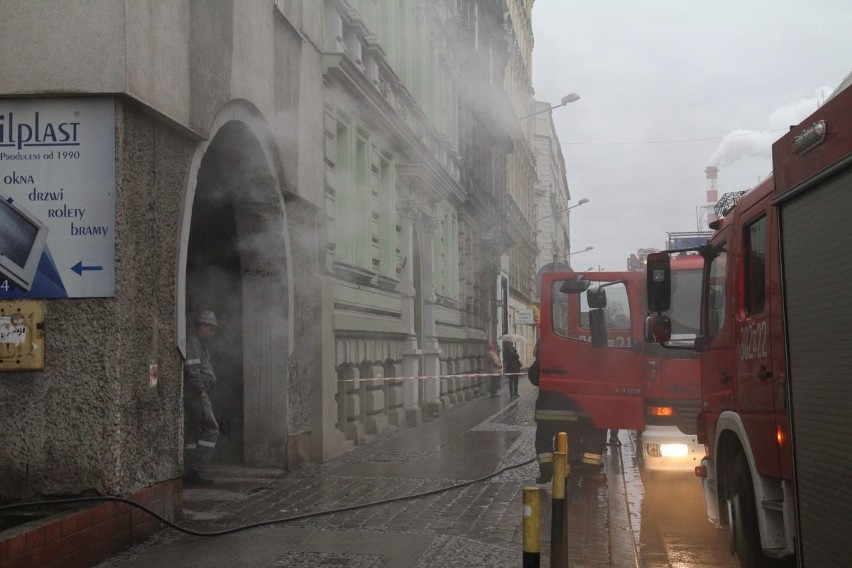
(76, 44)
(184, 59)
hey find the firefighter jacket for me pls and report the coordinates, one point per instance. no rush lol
(198, 368)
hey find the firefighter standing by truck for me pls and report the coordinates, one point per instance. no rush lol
(554, 413)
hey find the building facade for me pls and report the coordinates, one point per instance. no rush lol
(551, 193)
(519, 204)
(412, 152)
(325, 175)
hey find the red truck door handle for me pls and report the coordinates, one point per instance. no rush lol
(764, 373)
(725, 378)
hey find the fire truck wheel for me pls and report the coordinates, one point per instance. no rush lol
(742, 516)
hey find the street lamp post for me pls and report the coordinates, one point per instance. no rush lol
(570, 98)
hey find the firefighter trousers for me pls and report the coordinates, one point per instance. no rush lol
(545, 442)
(201, 432)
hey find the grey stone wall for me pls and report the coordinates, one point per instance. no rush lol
(303, 364)
(89, 421)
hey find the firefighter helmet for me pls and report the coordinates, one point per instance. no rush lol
(207, 317)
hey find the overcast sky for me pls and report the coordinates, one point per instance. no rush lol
(662, 82)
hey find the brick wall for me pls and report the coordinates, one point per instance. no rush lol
(85, 537)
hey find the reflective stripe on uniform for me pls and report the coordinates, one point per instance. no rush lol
(191, 446)
(206, 444)
(193, 361)
(592, 459)
(546, 457)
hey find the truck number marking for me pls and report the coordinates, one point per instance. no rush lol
(753, 342)
(619, 341)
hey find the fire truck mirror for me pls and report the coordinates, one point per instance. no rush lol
(597, 326)
(659, 279)
(658, 329)
(575, 286)
(596, 298)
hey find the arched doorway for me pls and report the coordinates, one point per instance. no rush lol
(236, 262)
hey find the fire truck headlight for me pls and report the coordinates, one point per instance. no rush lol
(674, 450)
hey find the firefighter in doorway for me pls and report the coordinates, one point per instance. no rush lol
(201, 429)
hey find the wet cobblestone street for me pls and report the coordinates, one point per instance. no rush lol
(478, 523)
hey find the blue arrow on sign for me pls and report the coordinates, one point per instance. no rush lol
(79, 268)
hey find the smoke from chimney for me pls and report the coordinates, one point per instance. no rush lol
(749, 143)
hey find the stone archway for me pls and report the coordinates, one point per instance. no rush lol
(235, 260)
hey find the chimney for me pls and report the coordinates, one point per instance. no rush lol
(712, 173)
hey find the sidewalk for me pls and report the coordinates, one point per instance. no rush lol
(476, 525)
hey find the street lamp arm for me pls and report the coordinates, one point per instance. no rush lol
(581, 202)
(588, 248)
(564, 101)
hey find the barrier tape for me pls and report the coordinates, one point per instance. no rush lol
(426, 377)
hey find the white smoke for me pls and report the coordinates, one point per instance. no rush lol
(749, 143)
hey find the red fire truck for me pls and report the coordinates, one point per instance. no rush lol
(775, 341)
(672, 383)
(593, 351)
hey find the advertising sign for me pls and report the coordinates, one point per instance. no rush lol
(524, 317)
(57, 198)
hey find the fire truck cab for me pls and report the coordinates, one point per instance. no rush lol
(672, 384)
(590, 344)
(592, 350)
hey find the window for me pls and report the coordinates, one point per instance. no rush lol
(360, 197)
(360, 216)
(616, 312)
(343, 194)
(447, 253)
(686, 299)
(604, 302)
(755, 266)
(387, 217)
(716, 291)
(559, 310)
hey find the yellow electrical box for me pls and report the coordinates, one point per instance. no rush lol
(22, 335)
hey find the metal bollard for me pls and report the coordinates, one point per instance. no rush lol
(562, 446)
(532, 527)
(558, 540)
